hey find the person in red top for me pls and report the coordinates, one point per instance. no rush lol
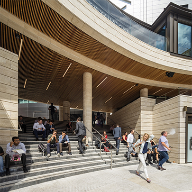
(105, 135)
(124, 138)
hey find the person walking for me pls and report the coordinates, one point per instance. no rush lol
(163, 148)
(144, 144)
(81, 133)
(130, 140)
(117, 137)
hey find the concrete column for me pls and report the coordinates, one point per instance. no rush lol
(144, 92)
(87, 103)
(60, 113)
(66, 110)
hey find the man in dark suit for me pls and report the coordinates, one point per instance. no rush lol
(81, 133)
(50, 127)
(117, 137)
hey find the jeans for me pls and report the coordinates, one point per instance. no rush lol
(1, 164)
(39, 133)
(130, 150)
(117, 143)
(80, 137)
(163, 157)
(142, 158)
(7, 160)
(49, 146)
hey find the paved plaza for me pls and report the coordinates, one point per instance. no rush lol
(177, 177)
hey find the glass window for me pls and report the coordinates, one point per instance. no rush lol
(162, 31)
(184, 39)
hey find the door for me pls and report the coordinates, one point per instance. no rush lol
(189, 139)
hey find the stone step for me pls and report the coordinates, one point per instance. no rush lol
(25, 179)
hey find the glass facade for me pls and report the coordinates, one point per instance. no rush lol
(127, 24)
(184, 39)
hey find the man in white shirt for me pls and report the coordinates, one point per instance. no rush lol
(130, 140)
(39, 129)
(15, 150)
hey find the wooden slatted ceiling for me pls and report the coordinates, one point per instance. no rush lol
(43, 18)
(40, 65)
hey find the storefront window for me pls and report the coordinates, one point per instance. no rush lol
(184, 39)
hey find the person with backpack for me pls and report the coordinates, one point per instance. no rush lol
(52, 142)
(81, 133)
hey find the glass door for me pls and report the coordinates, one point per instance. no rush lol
(189, 139)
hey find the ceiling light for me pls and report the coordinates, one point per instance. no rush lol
(21, 44)
(129, 89)
(101, 82)
(156, 91)
(48, 85)
(25, 83)
(67, 69)
(170, 74)
(108, 100)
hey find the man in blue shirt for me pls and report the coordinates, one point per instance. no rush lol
(64, 142)
(117, 137)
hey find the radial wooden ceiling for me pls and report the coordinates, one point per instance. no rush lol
(40, 65)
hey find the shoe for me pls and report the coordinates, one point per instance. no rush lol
(148, 181)
(168, 161)
(158, 167)
(117, 152)
(8, 172)
(48, 155)
(61, 153)
(43, 139)
(69, 153)
(2, 174)
(25, 170)
(137, 173)
(128, 159)
(58, 154)
(37, 139)
(162, 169)
(87, 145)
(150, 163)
(147, 164)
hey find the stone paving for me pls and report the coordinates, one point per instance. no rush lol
(176, 178)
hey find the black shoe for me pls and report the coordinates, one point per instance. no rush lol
(43, 139)
(158, 167)
(8, 172)
(25, 170)
(2, 174)
(37, 139)
(168, 161)
(81, 152)
(147, 164)
(128, 159)
(150, 163)
(61, 153)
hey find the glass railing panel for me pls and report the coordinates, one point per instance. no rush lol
(128, 25)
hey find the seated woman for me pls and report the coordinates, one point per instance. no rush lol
(124, 138)
(156, 153)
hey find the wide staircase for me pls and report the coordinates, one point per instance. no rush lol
(43, 169)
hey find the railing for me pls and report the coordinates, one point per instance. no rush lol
(101, 144)
(128, 25)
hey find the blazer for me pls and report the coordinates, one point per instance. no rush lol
(142, 145)
(117, 132)
(80, 129)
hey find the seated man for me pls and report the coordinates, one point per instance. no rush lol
(15, 150)
(39, 129)
(52, 142)
(22, 124)
(64, 142)
(1, 162)
(51, 127)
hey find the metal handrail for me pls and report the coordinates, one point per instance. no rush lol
(100, 145)
(102, 136)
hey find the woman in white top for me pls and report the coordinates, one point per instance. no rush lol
(144, 144)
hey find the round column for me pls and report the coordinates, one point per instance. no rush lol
(60, 113)
(87, 104)
(144, 92)
(66, 110)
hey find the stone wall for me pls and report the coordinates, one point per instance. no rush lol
(144, 115)
(8, 96)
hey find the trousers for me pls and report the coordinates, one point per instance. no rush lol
(142, 158)
(163, 157)
(80, 142)
(7, 160)
(49, 146)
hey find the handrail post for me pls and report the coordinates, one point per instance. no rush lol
(100, 148)
(111, 159)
